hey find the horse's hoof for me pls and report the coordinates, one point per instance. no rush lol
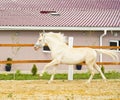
(105, 80)
(87, 82)
(49, 82)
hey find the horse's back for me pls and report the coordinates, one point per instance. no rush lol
(78, 55)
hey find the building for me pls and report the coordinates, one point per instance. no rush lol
(90, 22)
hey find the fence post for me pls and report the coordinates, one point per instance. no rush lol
(70, 68)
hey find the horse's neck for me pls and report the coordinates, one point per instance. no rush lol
(55, 44)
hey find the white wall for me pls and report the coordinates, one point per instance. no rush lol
(28, 53)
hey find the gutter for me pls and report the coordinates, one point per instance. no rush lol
(101, 42)
(54, 28)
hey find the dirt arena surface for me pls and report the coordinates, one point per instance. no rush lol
(59, 90)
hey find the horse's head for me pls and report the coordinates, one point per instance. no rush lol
(40, 42)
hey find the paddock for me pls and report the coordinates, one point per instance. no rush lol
(59, 90)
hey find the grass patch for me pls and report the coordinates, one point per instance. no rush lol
(26, 77)
(112, 75)
(81, 76)
(6, 76)
(46, 76)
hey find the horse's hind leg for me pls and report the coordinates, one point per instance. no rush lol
(99, 70)
(92, 73)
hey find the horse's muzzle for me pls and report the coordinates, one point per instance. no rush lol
(37, 46)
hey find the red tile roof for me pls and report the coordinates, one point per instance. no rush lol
(70, 13)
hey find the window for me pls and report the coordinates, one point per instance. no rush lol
(47, 12)
(115, 43)
(46, 49)
(52, 12)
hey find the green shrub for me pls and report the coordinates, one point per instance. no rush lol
(103, 69)
(34, 70)
(18, 72)
(9, 59)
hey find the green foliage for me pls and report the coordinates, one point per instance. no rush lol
(61, 76)
(6, 76)
(34, 70)
(82, 75)
(103, 69)
(27, 77)
(112, 75)
(46, 76)
(18, 72)
(9, 59)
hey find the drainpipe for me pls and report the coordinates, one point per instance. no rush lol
(101, 42)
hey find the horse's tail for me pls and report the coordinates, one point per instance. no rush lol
(111, 53)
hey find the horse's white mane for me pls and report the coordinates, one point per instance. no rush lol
(58, 36)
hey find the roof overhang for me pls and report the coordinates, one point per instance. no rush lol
(35, 28)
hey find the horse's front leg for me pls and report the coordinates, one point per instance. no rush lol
(52, 63)
(53, 74)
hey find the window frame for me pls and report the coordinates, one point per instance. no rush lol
(117, 44)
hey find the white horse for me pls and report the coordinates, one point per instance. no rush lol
(62, 54)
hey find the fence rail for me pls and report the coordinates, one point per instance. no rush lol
(25, 61)
(30, 45)
(47, 61)
(16, 45)
(100, 47)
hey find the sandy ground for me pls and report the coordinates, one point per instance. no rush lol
(59, 90)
